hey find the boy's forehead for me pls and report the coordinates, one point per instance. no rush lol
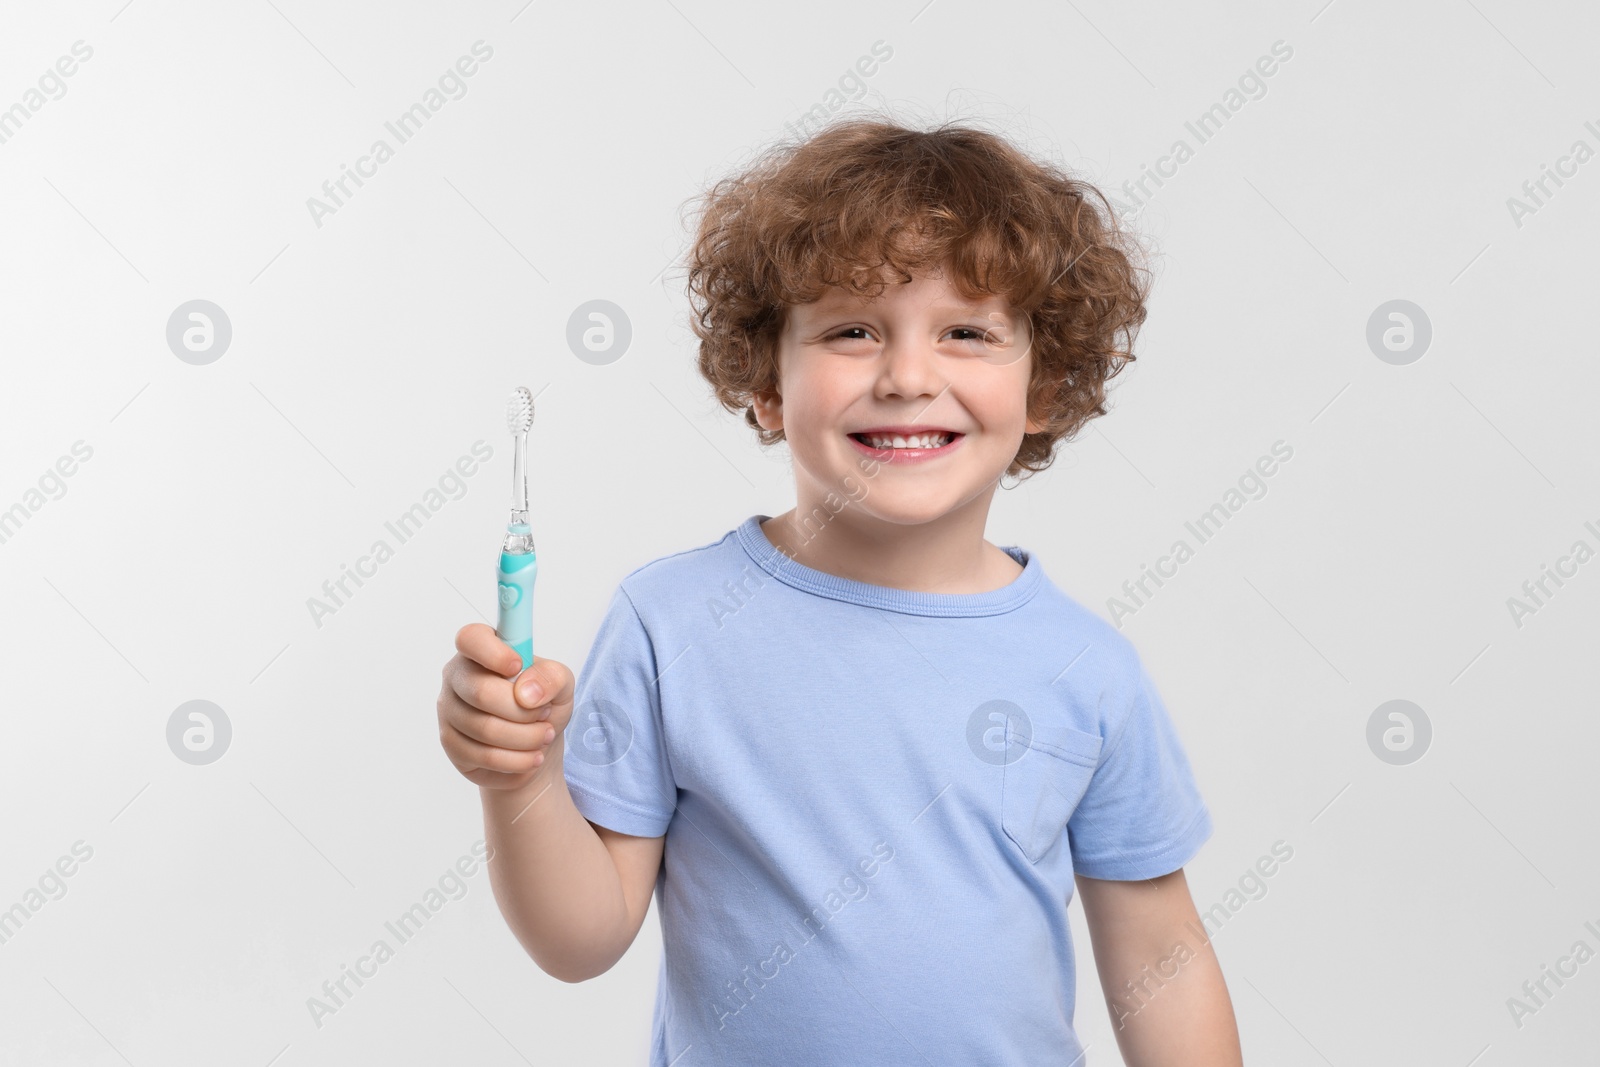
(837, 298)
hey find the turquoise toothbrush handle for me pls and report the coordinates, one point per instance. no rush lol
(516, 574)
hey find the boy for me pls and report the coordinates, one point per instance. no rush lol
(861, 755)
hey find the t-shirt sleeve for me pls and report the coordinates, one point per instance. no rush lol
(1142, 814)
(615, 760)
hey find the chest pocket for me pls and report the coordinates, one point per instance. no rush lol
(1040, 789)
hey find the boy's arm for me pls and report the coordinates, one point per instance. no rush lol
(1162, 983)
(574, 893)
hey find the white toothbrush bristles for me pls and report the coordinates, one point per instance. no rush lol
(519, 411)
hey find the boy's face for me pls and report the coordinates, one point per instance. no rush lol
(919, 355)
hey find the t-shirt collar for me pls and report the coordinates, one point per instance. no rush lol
(777, 563)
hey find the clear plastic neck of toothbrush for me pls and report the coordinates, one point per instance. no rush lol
(519, 542)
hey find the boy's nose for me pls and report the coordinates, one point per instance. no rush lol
(911, 368)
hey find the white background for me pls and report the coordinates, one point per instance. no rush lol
(371, 352)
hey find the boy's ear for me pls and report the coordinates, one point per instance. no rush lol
(769, 409)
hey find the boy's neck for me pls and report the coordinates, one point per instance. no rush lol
(948, 555)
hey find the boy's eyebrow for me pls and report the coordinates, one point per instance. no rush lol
(834, 305)
(1000, 305)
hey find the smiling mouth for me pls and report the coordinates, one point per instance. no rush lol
(891, 440)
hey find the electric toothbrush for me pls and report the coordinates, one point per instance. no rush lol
(518, 562)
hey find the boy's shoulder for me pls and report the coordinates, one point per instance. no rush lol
(1070, 620)
(668, 576)
(1103, 665)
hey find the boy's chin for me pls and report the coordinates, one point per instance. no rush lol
(906, 507)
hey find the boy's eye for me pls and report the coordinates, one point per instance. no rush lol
(966, 333)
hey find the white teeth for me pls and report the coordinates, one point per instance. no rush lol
(925, 440)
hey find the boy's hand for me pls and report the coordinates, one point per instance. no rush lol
(493, 729)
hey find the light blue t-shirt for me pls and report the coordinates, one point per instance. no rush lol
(863, 791)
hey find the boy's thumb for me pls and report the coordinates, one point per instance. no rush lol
(529, 687)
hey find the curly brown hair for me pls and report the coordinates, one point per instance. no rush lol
(869, 195)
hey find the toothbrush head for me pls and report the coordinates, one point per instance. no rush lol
(519, 411)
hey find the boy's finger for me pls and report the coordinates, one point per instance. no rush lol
(486, 691)
(496, 732)
(479, 643)
(548, 681)
(488, 757)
